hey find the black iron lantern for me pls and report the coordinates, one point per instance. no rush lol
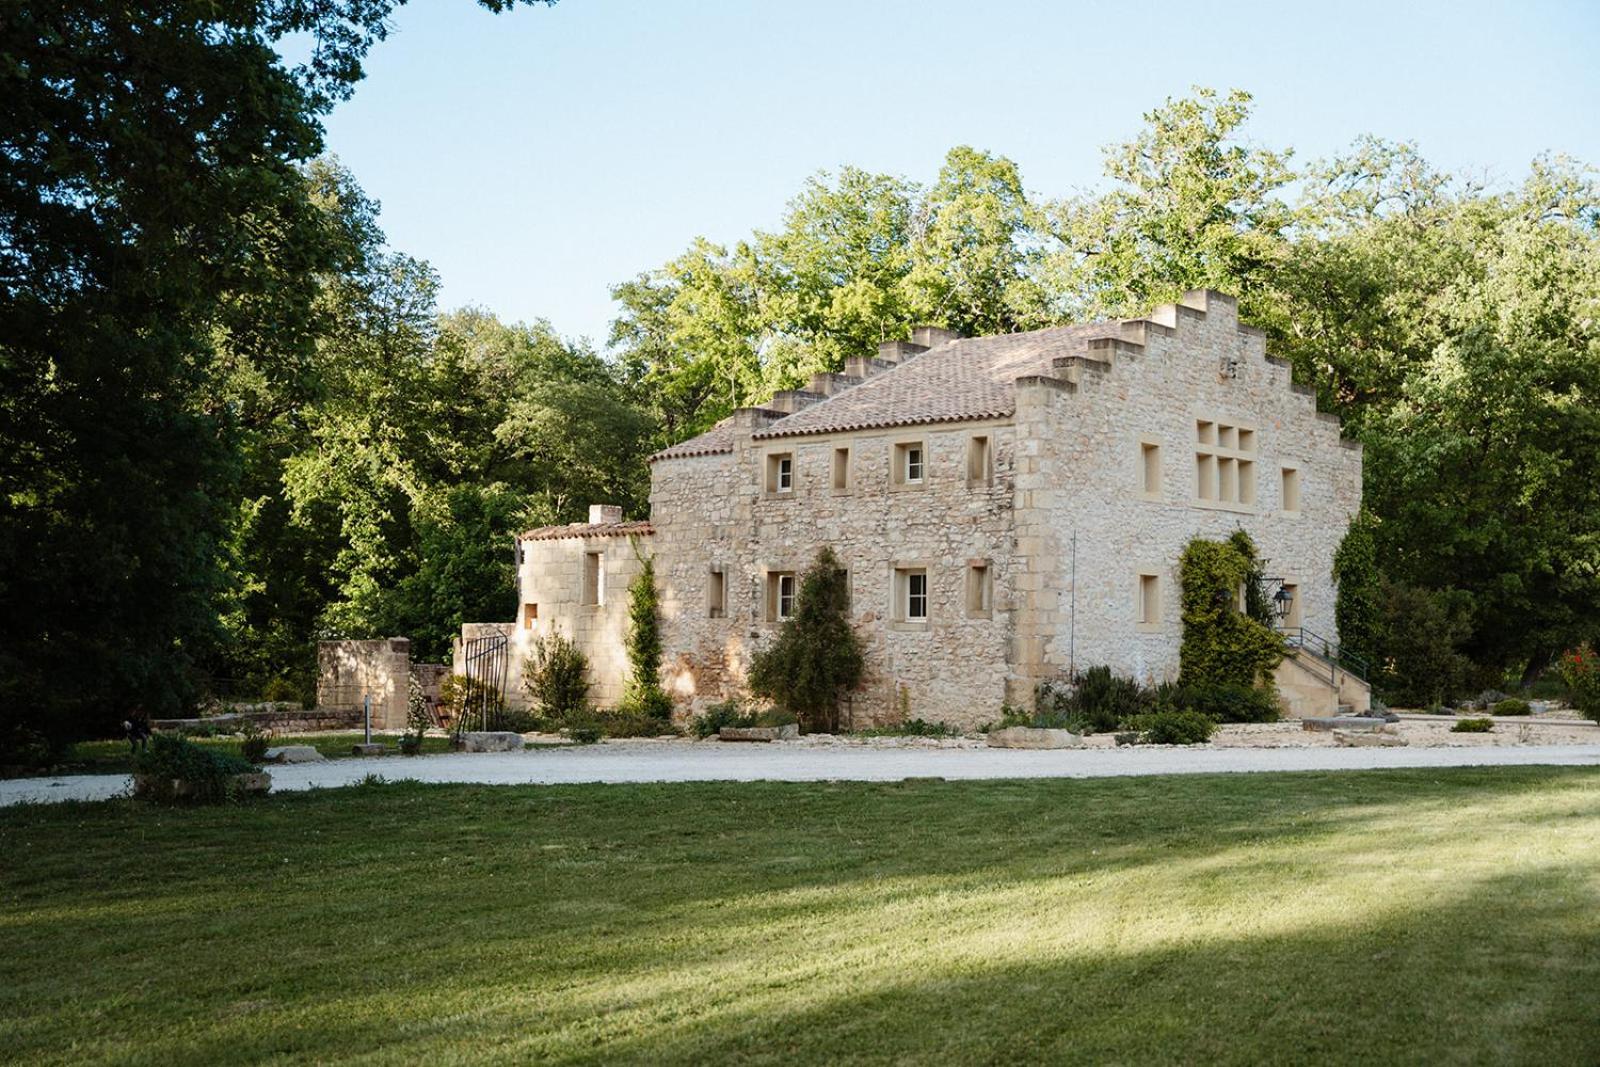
(1282, 601)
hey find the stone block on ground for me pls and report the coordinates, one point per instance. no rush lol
(786, 732)
(294, 754)
(491, 741)
(1372, 739)
(1033, 737)
(374, 749)
(1343, 722)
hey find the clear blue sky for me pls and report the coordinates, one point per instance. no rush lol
(537, 157)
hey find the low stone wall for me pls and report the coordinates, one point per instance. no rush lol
(283, 720)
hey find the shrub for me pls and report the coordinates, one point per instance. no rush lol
(418, 719)
(716, 716)
(21, 746)
(1222, 701)
(1357, 607)
(1173, 726)
(1472, 726)
(913, 728)
(1096, 701)
(1438, 709)
(1221, 644)
(256, 741)
(460, 696)
(644, 695)
(280, 690)
(1424, 630)
(817, 657)
(1580, 669)
(208, 774)
(584, 735)
(557, 678)
(1513, 706)
(630, 722)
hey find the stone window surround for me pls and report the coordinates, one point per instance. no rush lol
(980, 598)
(592, 580)
(772, 463)
(980, 465)
(899, 592)
(1141, 459)
(771, 591)
(843, 462)
(1240, 443)
(717, 592)
(1288, 471)
(899, 447)
(1144, 574)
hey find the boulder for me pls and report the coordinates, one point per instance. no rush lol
(1345, 722)
(1352, 739)
(1033, 737)
(786, 732)
(294, 754)
(373, 748)
(492, 741)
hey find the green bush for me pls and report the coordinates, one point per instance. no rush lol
(255, 744)
(1580, 670)
(913, 728)
(644, 696)
(1472, 726)
(716, 716)
(1513, 706)
(1097, 701)
(557, 678)
(817, 657)
(280, 690)
(630, 722)
(1221, 644)
(1222, 701)
(1438, 709)
(1173, 726)
(209, 774)
(1357, 609)
(584, 735)
(1423, 633)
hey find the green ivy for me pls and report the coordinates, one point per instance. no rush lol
(1221, 644)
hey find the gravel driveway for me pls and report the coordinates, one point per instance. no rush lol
(648, 761)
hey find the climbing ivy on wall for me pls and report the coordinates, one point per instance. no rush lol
(1221, 644)
(644, 645)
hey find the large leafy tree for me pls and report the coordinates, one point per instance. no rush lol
(149, 197)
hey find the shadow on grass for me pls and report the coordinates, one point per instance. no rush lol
(974, 921)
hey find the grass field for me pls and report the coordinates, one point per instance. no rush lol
(1447, 916)
(113, 757)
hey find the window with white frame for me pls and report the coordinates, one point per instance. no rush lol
(782, 594)
(780, 473)
(910, 463)
(911, 594)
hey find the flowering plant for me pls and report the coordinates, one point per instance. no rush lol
(1580, 669)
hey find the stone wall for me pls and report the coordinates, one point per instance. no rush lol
(717, 512)
(350, 671)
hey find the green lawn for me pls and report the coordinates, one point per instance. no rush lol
(1447, 916)
(112, 757)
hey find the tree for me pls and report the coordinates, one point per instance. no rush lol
(817, 656)
(644, 645)
(1222, 645)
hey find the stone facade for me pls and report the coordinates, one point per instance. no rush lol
(350, 671)
(1058, 477)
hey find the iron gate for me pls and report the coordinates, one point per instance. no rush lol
(483, 706)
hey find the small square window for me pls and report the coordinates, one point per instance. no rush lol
(717, 594)
(782, 593)
(1206, 432)
(1247, 440)
(980, 463)
(910, 464)
(1149, 600)
(1150, 468)
(780, 473)
(980, 590)
(530, 615)
(841, 469)
(593, 579)
(1291, 489)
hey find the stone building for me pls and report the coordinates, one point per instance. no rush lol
(1009, 508)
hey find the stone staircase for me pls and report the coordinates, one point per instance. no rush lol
(1312, 683)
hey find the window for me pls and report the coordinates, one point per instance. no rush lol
(980, 464)
(910, 464)
(841, 469)
(1150, 468)
(980, 590)
(916, 595)
(1224, 464)
(1149, 601)
(780, 473)
(1291, 490)
(530, 615)
(717, 594)
(593, 579)
(781, 593)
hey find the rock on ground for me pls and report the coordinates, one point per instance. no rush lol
(294, 754)
(491, 741)
(1033, 737)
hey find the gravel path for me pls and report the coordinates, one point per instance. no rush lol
(646, 761)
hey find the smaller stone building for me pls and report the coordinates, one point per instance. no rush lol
(1009, 509)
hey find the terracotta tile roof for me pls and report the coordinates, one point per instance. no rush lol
(584, 529)
(972, 378)
(717, 439)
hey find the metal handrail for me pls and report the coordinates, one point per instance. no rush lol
(1324, 649)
